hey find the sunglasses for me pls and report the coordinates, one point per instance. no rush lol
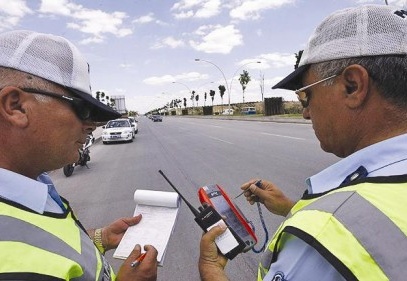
(81, 108)
(303, 96)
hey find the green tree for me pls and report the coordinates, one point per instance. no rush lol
(212, 94)
(192, 97)
(244, 79)
(222, 91)
(102, 97)
(197, 99)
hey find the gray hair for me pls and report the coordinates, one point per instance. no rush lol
(12, 77)
(389, 73)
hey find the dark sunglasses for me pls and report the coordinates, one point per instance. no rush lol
(303, 96)
(82, 109)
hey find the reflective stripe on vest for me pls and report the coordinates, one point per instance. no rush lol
(38, 244)
(359, 229)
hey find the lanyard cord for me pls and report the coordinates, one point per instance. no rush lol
(265, 230)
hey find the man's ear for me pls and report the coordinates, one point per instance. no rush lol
(356, 80)
(12, 107)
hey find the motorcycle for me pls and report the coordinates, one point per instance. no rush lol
(84, 156)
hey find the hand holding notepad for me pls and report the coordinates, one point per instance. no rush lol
(159, 211)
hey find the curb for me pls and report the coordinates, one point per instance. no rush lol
(250, 118)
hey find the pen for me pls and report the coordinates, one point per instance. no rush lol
(138, 260)
(257, 183)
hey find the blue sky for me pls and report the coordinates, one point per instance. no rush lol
(138, 48)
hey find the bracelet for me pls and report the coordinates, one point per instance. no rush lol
(97, 239)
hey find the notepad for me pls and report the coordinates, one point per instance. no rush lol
(159, 210)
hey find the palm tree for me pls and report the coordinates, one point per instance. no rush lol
(192, 98)
(244, 79)
(197, 99)
(222, 91)
(212, 94)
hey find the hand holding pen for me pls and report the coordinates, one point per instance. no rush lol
(138, 266)
(138, 260)
(268, 194)
(257, 184)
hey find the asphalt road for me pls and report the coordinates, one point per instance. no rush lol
(193, 152)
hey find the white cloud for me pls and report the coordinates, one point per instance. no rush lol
(196, 8)
(145, 19)
(217, 39)
(97, 23)
(165, 79)
(11, 12)
(277, 60)
(59, 7)
(168, 42)
(184, 15)
(252, 9)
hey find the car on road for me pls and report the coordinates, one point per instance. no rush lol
(117, 130)
(157, 118)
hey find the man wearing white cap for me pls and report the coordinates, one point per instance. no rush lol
(351, 223)
(46, 112)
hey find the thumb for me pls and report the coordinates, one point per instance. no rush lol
(214, 232)
(134, 254)
(257, 191)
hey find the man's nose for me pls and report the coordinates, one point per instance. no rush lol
(89, 126)
(305, 113)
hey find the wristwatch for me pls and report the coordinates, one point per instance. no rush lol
(97, 239)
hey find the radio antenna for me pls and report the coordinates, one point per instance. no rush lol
(194, 211)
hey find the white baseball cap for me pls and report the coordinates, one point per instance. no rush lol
(368, 30)
(53, 58)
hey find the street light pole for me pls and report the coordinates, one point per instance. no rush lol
(228, 86)
(224, 77)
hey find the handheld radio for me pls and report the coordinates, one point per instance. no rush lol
(230, 244)
(216, 197)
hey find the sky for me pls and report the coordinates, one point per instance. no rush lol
(146, 50)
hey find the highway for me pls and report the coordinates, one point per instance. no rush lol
(193, 152)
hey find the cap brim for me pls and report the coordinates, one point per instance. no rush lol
(293, 80)
(100, 111)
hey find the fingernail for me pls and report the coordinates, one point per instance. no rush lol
(223, 225)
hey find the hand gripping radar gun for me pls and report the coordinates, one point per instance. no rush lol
(216, 197)
(230, 243)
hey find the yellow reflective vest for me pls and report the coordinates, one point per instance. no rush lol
(47, 247)
(361, 229)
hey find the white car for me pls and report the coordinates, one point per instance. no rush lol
(117, 130)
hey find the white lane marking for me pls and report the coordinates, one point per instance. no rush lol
(281, 136)
(219, 140)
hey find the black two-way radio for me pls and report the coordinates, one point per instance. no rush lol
(229, 243)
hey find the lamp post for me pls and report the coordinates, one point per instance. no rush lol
(190, 92)
(228, 86)
(223, 74)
